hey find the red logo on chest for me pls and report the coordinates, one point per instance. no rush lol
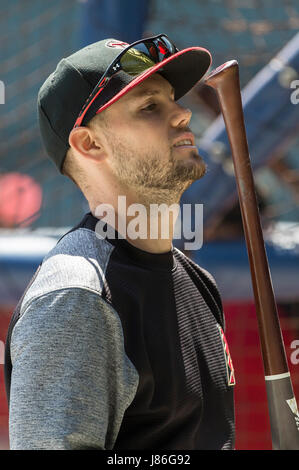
(228, 360)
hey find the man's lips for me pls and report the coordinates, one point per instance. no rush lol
(182, 137)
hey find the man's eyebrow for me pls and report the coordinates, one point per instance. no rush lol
(150, 92)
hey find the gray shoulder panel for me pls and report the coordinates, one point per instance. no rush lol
(71, 378)
(79, 260)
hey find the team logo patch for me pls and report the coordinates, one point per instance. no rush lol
(228, 360)
(116, 44)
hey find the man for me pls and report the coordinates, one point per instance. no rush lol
(118, 341)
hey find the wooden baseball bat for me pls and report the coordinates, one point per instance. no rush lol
(283, 411)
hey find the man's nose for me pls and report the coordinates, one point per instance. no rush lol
(181, 116)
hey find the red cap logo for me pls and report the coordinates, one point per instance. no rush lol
(117, 44)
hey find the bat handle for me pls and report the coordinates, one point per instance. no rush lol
(284, 417)
(225, 80)
(283, 410)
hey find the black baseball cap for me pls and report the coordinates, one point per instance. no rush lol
(62, 95)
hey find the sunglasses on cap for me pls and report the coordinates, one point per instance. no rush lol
(134, 59)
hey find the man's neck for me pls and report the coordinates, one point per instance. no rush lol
(147, 226)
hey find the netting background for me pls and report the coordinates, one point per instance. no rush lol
(35, 35)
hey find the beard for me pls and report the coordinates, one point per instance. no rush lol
(152, 177)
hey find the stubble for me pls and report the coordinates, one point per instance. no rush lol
(154, 178)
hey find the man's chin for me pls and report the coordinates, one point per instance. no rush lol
(185, 154)
(192, 168)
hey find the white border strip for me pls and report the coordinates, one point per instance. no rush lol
(277, 376)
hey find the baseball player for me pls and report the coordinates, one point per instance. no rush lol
(118, 342)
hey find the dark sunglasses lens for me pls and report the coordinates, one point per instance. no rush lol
(169, 45)
(144, 55)
(136, 60)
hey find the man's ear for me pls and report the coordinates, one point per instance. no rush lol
(83, 142)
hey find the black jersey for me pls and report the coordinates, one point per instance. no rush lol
(141, 360)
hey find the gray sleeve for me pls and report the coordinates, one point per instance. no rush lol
(71, 379)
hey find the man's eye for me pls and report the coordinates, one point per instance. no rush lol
(149, 107)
